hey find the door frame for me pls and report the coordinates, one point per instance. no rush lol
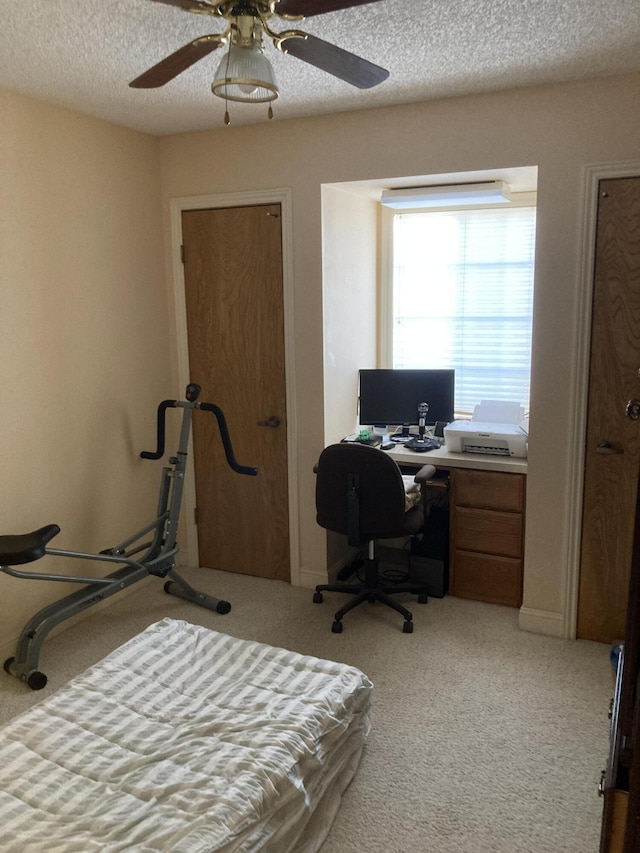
(592, 175)
(282, 197)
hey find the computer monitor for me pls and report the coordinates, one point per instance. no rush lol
(392, 396)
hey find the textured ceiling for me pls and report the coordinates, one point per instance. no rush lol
(83, 53)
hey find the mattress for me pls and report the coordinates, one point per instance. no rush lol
(185, 739)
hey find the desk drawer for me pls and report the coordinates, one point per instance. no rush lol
(487, 531)
(497, 580)
(490, 489)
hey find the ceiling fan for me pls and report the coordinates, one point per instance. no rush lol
(244, 73)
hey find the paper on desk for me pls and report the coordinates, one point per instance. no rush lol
(498, 412)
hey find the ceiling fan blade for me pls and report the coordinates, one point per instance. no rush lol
(191, 5)
(176, 63)
(307, 8)
(334, 60)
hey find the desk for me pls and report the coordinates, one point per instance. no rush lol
(442, 458)
(486, 526)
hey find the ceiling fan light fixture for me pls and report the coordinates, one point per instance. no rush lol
(245, 75)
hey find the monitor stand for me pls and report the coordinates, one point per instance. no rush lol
(402, 437)
(381, 432)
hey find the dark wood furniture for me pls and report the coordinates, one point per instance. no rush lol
(621, 780)
(487, 535)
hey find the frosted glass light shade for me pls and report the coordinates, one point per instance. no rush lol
(245, 74)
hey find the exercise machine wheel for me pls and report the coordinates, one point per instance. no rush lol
(36, 680)
(317, 598)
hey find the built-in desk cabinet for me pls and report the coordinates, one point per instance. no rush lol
(487, 535)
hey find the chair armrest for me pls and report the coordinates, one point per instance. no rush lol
(426, 473)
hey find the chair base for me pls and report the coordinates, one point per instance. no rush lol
(372, 590)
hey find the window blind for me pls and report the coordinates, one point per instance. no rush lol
(463, 298)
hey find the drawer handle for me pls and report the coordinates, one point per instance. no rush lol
(607, 449)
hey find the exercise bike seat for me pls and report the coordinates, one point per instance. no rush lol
(26, 547)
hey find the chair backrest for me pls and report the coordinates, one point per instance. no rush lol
(349, 473)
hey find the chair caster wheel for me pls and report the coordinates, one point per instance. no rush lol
(423, 598)
(408, 627)
(317, 598)
(337, 627)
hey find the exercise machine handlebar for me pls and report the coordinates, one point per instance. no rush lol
(192, 394)
(226, 439)
(160, 431)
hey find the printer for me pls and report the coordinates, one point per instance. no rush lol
(481, 437)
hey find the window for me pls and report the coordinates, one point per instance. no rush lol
(462, 297)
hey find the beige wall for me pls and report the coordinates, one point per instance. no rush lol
(560, 129)
(84, 354)
(349, 311)
(89, 343)
(349, 305)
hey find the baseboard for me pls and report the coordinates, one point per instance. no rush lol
(310, 578)
(7, 649)
(185, 559)
(541, 622)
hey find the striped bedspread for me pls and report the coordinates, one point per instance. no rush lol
(188, 740)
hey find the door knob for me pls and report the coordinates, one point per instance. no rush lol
(632, 410)
(272, 422)
(608, 449)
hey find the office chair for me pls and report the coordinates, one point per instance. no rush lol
(360, 492)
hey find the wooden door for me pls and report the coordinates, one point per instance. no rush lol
(612, 451)
(235, 321)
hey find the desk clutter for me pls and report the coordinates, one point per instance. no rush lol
(364, 436)
(497, 428)
(388, 442)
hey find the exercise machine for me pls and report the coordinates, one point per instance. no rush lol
(137, 559)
